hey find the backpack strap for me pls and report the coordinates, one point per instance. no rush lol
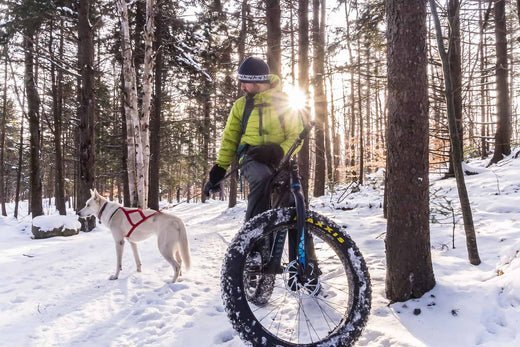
(281, 105)
(248, 108)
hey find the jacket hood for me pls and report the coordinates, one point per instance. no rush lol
(276, 86)
(275, 82)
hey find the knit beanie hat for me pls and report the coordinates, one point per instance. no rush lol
(253, 70)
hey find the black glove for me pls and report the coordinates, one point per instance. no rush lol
(269, 154)
(216, 174)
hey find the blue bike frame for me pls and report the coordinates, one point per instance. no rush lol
(299, 200)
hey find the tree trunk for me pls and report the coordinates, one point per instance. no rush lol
(128, 198)
(2, 138)
(33, 107)
(350, 161)
(504, 127)
(149, 29)
(303, 79)
(206, 128)
(274, 35)
(155, 121)
(19, 171)
(134, 142)
(409, 273)
(233, 180)
(456, 148)
(292, 33)
(454, 56)
(484, 147)
(361, 134)
(57, 86)
(367, 117)
(86, 112)
(320, 102)
(87, 144)
(328, 131)
(138, 132)
(335, 175)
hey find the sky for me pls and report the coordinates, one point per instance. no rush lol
(56, 292)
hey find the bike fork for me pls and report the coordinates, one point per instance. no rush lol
(299, 199)
(297, 248)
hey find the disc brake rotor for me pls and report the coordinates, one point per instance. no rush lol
(299, 282)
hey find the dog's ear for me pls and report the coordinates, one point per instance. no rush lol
(92, 193)
(96, 194)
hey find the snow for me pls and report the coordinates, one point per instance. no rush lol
(56, 292)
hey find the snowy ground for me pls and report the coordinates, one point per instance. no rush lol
(56, 292)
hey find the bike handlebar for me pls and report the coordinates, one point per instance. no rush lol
(295, 145)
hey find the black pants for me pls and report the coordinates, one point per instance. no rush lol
(259, 176)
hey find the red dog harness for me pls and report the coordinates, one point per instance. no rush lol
(142, 218)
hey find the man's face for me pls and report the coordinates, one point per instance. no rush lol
(253, 88)
(249, 88)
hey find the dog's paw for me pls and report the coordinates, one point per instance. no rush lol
(113, 277)
(138, 269)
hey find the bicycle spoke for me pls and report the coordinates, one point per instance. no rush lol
(272, 301)
(268, 313)
(325, 315)
(297, 322)
(347, 292)
(309, 323)
(326, 302)
(274, 318)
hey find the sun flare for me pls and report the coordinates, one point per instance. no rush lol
(296, 98)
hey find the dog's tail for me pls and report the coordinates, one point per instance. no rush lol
(184, 247)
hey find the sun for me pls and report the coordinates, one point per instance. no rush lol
(296, 97)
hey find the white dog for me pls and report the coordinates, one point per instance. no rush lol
(136, 225)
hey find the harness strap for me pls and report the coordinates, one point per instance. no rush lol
(102, 209)
(113, 213)
(135, 225)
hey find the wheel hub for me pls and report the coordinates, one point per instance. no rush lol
(298, 281)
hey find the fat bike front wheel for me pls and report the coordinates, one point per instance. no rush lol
(331, 309)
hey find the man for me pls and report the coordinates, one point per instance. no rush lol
(260, 129)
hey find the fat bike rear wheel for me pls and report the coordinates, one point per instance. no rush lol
(330, 310)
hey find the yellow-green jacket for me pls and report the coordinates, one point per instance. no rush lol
(271, 121)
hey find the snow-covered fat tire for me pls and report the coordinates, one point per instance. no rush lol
(332, 316)
(258, 287)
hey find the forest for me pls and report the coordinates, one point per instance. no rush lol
(68, 102)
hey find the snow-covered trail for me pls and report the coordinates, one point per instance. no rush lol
(56, 291)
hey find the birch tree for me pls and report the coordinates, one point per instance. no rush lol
(138, 137)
